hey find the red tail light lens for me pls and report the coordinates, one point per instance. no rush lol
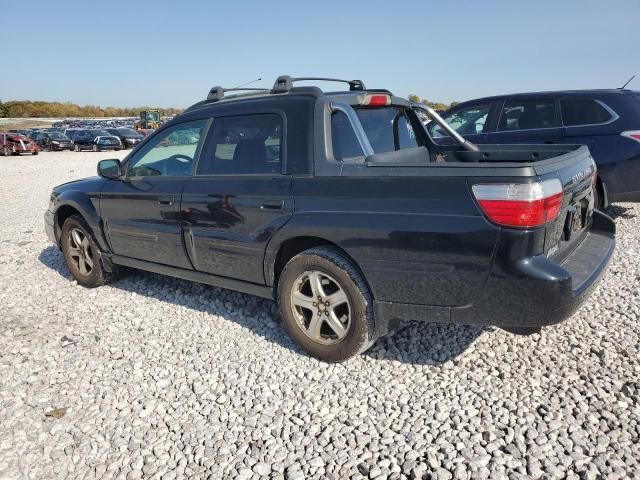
(632, 134)
(376, 100)
(520, 205)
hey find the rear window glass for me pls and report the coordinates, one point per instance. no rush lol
(527, 115)
(583, 111)
(387, 128)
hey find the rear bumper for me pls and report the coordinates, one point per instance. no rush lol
(625, 197)
(532, 292)
(61, 147)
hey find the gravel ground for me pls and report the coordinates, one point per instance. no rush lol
(153, 377)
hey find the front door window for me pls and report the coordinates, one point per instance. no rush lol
(170, 153)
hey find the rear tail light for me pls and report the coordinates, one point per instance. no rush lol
(521, 205)
(376, 100)
(632, 134)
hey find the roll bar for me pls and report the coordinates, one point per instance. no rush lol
(433, 115)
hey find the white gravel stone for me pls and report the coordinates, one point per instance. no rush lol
(169, 379)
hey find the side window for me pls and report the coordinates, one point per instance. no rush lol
(466, 121)
(527, 115)
(343, 138)
(583, 111)
(246, 144)
(170, 153)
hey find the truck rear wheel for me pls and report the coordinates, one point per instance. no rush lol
(325, 304)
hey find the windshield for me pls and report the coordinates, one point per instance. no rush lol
(16, 137)
(153, 116)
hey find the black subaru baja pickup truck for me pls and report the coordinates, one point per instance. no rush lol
(340, 207)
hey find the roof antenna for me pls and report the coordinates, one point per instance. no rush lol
(628, 82)
(249, 83)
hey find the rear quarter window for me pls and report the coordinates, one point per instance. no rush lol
(584, 111)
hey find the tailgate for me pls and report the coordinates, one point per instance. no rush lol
(576, 213)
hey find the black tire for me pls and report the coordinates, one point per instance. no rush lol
(361, 328)
(35, 153)
(97, 276)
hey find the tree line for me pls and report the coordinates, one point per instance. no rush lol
(438, 106)
(31, 109)
(34, 109)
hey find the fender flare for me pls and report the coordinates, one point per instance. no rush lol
(317, 225)
(81, 202)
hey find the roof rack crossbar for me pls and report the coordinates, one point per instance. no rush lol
(217, 93)
(284, 83)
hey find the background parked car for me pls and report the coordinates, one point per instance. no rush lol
(607, 121)
(16, 143)
(53, 141)
(128, 136)
(96, 140)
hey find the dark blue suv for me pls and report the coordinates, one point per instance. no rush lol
(607, 121)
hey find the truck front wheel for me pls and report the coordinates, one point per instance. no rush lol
(325, 304)
(82, 254)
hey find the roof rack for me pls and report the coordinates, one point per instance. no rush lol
(284, 83)
(217, 93)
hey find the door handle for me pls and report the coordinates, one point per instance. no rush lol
(165, 202)
(548, 142)
(272, 205)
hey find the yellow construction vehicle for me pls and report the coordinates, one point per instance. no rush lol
(149, 119)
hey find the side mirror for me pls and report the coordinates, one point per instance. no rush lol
(109, 169)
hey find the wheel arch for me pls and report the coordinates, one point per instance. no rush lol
(292, 246)
(79, 203)
(63, 212)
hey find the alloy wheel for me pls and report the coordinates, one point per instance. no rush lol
(80, 251)
(321, 307)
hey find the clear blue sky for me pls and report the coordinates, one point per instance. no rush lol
(169, 53)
